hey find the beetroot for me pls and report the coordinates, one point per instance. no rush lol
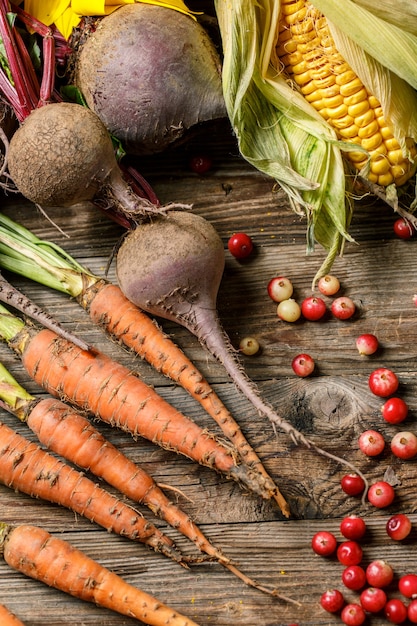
(172, 267)
(150, 73)
(62, 154)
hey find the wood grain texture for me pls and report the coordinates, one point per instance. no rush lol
(332, 407)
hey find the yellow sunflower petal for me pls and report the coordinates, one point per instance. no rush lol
(66, 14)
(47, 11)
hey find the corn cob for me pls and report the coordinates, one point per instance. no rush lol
(308, 56)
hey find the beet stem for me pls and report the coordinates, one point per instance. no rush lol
(219, 345)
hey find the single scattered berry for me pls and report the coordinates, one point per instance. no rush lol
(354, 577)
(343, 308)
(353, 527)
(349, 553)
(404, 445)
(332, 600)
(407, 585)
(240, 245)
(303, 365)
(371, 442)
(373, 599)
(200, 163)
(381, 494)
(383, 382)
(352, 484)
(280, 288)
(395, 410)
(353, 615)
(313, 308)
(395, 611)
(398, 527)
(249, 346)
(289, 310)
(328, 285)
(367, 344)
(379, 574)
(324, 543)
(404, 229)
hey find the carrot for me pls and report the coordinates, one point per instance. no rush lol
(7, 618)
(67, 433)
(55, 562)
(25, 467)
(22, 252)
(111, 392)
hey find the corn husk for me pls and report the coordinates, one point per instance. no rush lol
(282, 135)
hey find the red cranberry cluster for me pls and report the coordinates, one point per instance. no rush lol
(370, 581)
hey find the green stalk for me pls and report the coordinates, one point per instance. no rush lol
(13, 397)
(10, 325)
(23, 253)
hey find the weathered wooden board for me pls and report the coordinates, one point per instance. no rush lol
(332, 407)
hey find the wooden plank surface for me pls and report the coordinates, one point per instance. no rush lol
(332, 407)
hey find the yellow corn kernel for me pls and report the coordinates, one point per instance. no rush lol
(371, 143)
(348, 130)
(358, 108)
(380, 165)
(367, 131)
(365, 119)
(306, 49)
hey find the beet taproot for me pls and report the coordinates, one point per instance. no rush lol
(172, 266)
(150, 73)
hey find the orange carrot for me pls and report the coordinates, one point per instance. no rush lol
(24, 253)
(55, 562)
(111, 392)
(25, 467)
(109, 308)
(71, 435)
(7, 618)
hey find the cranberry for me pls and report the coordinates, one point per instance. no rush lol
(395, 410)
(200, 164)
(383, 382)
(280, 288)
(240, 245)
(249, 346)
(379, 573)
(324, 543)
(404, 445)
(349, 553)
(373, 599)
(407, 585)
(412, 612)
(328, 285)
(395, 611)
(354, 577)
(353, 527)
(381, 494)
(343, 308)
(303, 365)
(367, 344)
(352, 484)
(403, 228)
(398, 526)
(353, 615)
(371, 442)
(289, 310)
(332, 600)
(313, 308)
